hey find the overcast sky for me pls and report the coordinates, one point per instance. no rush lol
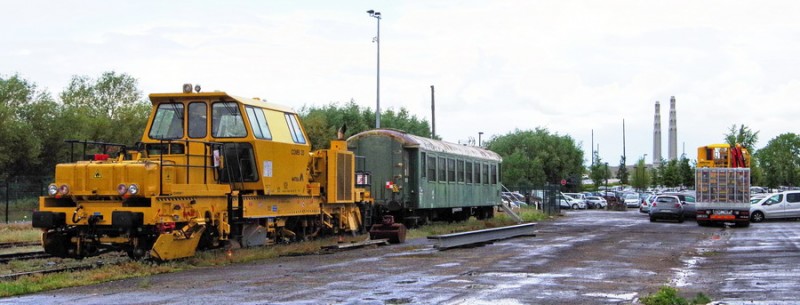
(568, 66)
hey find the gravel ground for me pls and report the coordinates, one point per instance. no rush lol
(585, 257)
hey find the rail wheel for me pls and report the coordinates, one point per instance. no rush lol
(138, 249)
(56, 243)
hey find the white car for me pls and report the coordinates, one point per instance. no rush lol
(596, 202)
(782, 205)
(631, 200)
(574, 203)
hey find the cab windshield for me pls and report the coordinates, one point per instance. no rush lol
(168, 122)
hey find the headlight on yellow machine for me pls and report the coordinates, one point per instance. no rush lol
(122, 188)
(64, 189)
(133, 189)
(52, 189)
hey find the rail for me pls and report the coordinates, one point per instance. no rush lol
(447, 241)
(5, 258)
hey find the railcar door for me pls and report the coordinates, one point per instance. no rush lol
(412, 177)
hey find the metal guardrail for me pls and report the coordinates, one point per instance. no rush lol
(447, 241)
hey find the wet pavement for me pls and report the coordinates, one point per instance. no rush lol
(585, 257)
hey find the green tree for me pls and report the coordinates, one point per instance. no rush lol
(671, 175)
(537, 156)
(107, 109)
(26, 114)
(640, 178)
(598, 171)
(685, 172)
(622, 171)
(322, 123)
(654, 178)
(743, 135)
(780, 160)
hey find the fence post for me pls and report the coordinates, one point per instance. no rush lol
(7, 201)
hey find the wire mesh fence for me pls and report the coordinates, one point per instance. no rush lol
(19, 197)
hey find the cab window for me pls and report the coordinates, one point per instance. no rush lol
(168, 122)
(258, 123)
(227, 121)
(294, 129)
(198, 122)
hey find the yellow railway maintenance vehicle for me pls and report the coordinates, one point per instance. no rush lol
(212, 169)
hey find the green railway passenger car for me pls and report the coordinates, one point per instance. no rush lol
(418, 179)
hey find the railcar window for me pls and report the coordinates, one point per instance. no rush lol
(493, 172)
(442, 177)
(451, 170)
(227, 121)
(469, 172)
(485, 174)
(460, 170)
(424, 164)
(431, 168)
(258, 123)
(168, 122)
(478, 173)
(294, 129)
(198, 120)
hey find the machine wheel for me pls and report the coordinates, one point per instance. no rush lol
(680, 220)
(742, 224)
(652, 219)
(757, 216)
(702, 223)
(574, 206)
(56, 243)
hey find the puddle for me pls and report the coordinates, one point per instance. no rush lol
(395, 301)
(619, 296)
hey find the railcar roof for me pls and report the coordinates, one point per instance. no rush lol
(162, 97)
(412, 141)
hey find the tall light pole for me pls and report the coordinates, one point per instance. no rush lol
(480, 133)
(377, 39)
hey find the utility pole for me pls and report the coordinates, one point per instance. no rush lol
(433, 115)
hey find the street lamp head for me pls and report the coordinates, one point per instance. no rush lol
(373, 13)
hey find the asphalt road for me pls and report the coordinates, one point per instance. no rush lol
(585, 257)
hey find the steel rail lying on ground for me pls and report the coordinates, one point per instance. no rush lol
(448, 241)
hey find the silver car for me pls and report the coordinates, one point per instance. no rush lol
(688, 201)
(666, 207)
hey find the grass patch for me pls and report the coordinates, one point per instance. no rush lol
(19, 232)
(669, 296)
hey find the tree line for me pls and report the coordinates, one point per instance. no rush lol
(111, 108)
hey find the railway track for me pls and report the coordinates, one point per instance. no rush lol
(19, 244)
(14, 276)
(5, 258)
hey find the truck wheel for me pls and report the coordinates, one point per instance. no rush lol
(757, 217)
